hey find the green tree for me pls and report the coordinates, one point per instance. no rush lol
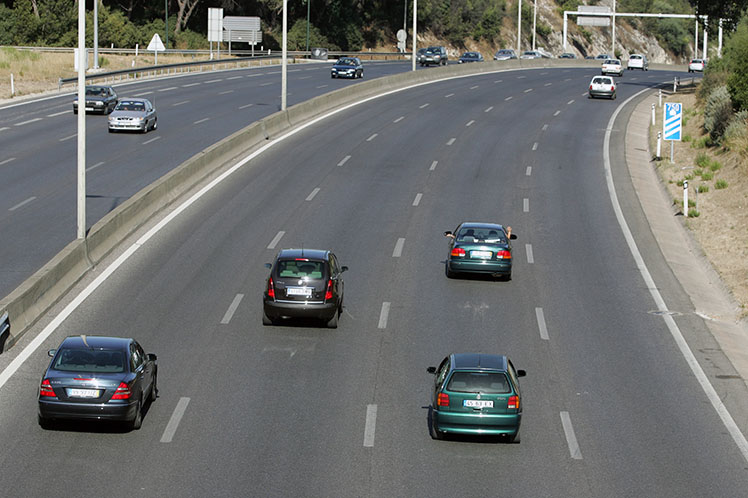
(736, 62)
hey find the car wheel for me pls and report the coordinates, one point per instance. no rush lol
(45, 423)
(266, 320)
(137, 422)
(515, 439)
(155, 124)
(433, 430)
(332, 323)
(154, 388)
(332, 76)
(613, 97)
(448, 272)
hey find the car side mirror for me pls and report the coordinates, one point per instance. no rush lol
(521, 373)
(51, 352)
(152, 357)
(513, 236)
(268, 265)
(431, 370)
(343, 268)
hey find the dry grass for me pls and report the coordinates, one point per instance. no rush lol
(722, 225)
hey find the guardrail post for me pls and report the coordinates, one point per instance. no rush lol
(659, 97)
(4, 330)
(659, 144)
(653, 114)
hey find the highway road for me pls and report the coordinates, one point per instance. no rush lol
(38, 149)
(611, 407)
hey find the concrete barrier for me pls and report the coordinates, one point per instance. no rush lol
(32, 299)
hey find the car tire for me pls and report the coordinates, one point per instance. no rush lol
(515, 439)
(332, 323)
(449, 273)
(155, 124)
(613, 97)
(154, 389)
(434, 432)
(45, 423)
(137, 422)
(75, 111)
(266, 320)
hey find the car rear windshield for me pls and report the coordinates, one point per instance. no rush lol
(88, 360)
(487, 235)
(295, 268)
(479, 382)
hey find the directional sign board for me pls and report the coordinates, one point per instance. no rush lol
(672, 124)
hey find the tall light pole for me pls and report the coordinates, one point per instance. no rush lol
(519, 28)
(534, 20)
(96, 34)
(415, 37)
(82, 58)
(308, 10)
(166, 9)
(613, 48)
(284, 58)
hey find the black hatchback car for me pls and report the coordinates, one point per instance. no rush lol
(98, 378)
(304, 283)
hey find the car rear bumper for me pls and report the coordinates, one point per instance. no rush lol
(323, 311)
(601, 93)
(470, 423)
(87, 411)
(490, 267)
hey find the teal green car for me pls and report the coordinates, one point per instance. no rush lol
(482, 248)
(476, 394)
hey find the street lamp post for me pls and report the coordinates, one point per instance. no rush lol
(166, 8)
(284, 57)
(534, 20)
(96, 34)
(308, 10)
(519, 28)
(82, 59)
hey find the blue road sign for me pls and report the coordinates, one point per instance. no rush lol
(672, 124)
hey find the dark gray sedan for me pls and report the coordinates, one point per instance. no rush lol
(133, 115)
(347, 67)
(98, 378)
(101, 99)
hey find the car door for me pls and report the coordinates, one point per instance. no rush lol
(441, 375)
(138, 367)
(337, 277)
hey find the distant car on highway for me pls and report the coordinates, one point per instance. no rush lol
(602, 86)
(531, 54)
(347, 67)
(504, 54)
(101, 99)
(638, 61)
(435, 55)
(420, 55)
(480, 248)
(603, 56)
(696, 65)
(567, 55)
(476, 394)
(98, 378)
(612, 66)
(304, 283)
(470, 57)
(133, 115)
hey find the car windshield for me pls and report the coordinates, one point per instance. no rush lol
(636, 56)
(130, 106)
(347, 62)
(479, 382)
(298, 268)
(487, 235)
(89, 360)
(96, 91)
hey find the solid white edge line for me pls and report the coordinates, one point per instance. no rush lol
(398, 251)
(680, 341)
(571, 438)
(176, 417)
(276, 239)
(383, 315)
(542, 327)
(119, 261)
(530, 258)
(311, 196)
(370, 426)
(417, 200)
(232, 309)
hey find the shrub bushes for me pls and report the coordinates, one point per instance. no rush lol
(717, 112)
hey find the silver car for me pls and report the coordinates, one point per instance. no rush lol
(133, 115)
(504, 54)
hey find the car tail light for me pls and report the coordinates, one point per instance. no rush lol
(505, 254)
(271, 288)
(513, 402)
(443, 399)
(458, 251)
(590, 87)
(122, 392)
(45, 389)
(328, 293)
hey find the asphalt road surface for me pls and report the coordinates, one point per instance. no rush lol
(610, 406)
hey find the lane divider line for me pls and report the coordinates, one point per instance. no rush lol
(417, 200)
(225, 92)
(570, 102)
(509, 98)
(245, 106)
(571, 438)
(528, 171)
(370, 426)
(65, 139)
(344, 160)
(213, 81)
(176, 417)
(451, 141)
(541, 324)
(6, 161)
(399, 119)
(423, 106)
(528, 249)
(557, 113)
(276, 239)
(383, 315)
(151, 140)
(311, 196)
(448, 95)
(201, 121)
(545, 127)
(91, 168)
(22, 123)
(526, 205)
(398, 251)
(142, 94)
(167, 89)
(232, 309)
(372, 137)
(488, 109)
(528, 90)
(535, 146)
(474, 87)
(181, 103)
(22, 203)
(57, 114)
(470, 123)
(433, 165)
(191, 84)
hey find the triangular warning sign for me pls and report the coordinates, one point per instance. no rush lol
(156, 44)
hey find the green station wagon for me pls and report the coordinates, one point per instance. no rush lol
(476, 394)
(480, 248)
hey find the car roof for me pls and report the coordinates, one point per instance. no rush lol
(96, 342)
(471, 224)
(303, 253)
(482, 361)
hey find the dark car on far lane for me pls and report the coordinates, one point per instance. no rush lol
(480, 248)
(347, 67)
(101, 99)
(98, 378)
(470, 57)
(304, 283)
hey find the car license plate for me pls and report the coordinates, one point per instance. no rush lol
(299, 291)
(83, 393)
(480, 254)
(89, 108)
(478, 403)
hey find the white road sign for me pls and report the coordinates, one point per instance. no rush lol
(156, 45)
(672, 123)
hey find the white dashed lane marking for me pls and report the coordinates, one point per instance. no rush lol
(232, 309)
(64, 139)
(225, 92)
(398, 251)
(245, 106)
(6, 161)
(91, 168)
(488, 109)
(448, 95)
(28, 122)
(344, 160)
(526, 205)
(423, 106)
(508, 98)
(399, 119)
(470, 123)
(191, 84)
(168, 89)
(528, 171)
(528, 90)
(151, 140)
(21, 204)
(383, 315)
(570, 102)
(474, 87)
(528, 249)
(545, 127)
(276, 239)
(557, 113)
(535, 146)
(541, 323)
(176, 417)
(548, 84)
(142, 94)
(181, 103)
(417, 200)
(370, 426)
(57, 114)
(234, 78)
(372, 137)
(433, 165)
(451, 141)
(311, 196)
(571, 439)
(201, 121)
(213, 81)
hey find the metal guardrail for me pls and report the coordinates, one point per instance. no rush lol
(4, 330)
